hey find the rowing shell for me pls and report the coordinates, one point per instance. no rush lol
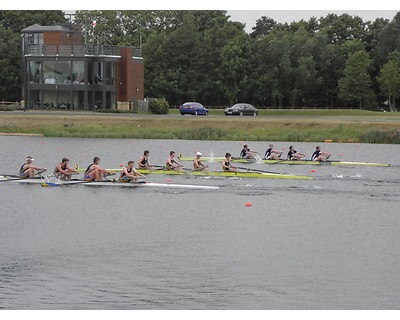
(109, 183)
(249, 174)
(292, 162)
(245, 174)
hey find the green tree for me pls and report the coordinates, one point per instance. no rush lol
(11, 24)
(389, 82)
(263, 26)
(355, 85)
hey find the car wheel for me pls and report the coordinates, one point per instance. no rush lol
(241, 113)
(196, 112)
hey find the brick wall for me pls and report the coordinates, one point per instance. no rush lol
(130, 76)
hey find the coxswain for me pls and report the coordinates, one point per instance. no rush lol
(272, 154)
(94, 172)
(172, 164)
(246, 153)
(227, 165)
(143, 162)
(197, 164)
(63, 171)
(320, 156)
(28, 170)
(294, 155)
(129, 173)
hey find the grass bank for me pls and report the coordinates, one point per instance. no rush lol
(380, 128)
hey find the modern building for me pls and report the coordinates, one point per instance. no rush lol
(60, 70)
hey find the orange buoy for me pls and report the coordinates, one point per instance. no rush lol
(121, 164)
(248, 204)
(169, 180)
(313, 170)
(328, 140)
(340, 155)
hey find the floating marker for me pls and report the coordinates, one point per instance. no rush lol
(121, 164)
(169, 180)
(340, 155)
(313, 170)
(248, 204)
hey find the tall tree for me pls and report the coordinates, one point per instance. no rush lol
(263, 26)
(389, 82)
(355, 85)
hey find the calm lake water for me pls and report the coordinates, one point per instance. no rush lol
(328, 243)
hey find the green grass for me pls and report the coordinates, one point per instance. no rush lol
(381, 128)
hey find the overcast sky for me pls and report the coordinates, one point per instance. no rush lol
(244, 11)
(249, 17)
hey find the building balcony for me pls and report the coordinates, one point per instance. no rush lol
(75, 50)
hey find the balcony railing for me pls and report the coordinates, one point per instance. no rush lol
(74, 50)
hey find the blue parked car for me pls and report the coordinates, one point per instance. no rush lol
(193, 108)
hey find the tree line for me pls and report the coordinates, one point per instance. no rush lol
(332, 61)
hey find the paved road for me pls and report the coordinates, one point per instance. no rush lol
(375, 118)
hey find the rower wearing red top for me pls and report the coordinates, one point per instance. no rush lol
(95, 172)
(28, 170)
(172, 164)
(227, 165)
(144, 161)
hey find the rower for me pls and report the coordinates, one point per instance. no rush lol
(246, 153)
(63, 171)
(95, 172)
(294, 155)
(197, 164)
(172, 164)
(129, 173)
(227, 164)
(272, 154)
(320, 156)
(143, 162)
(28, 170)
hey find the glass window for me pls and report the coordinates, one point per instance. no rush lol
(57, 72)
(78, 72)
(98, 73)
(110, 73)
(34, 71)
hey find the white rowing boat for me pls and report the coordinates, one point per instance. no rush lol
(106, 183)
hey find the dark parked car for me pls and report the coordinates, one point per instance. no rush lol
(194, 108)
(241, 109)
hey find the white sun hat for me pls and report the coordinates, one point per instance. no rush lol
(198, 153)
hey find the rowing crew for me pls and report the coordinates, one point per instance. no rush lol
(272, 154)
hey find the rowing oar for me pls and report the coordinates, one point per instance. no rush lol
(255, 170)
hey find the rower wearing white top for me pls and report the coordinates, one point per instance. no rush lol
(272, 154)
(197, 164)
(294, 155)
(28, 170)
(172, 164)
(246, 153)
(320, 156)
